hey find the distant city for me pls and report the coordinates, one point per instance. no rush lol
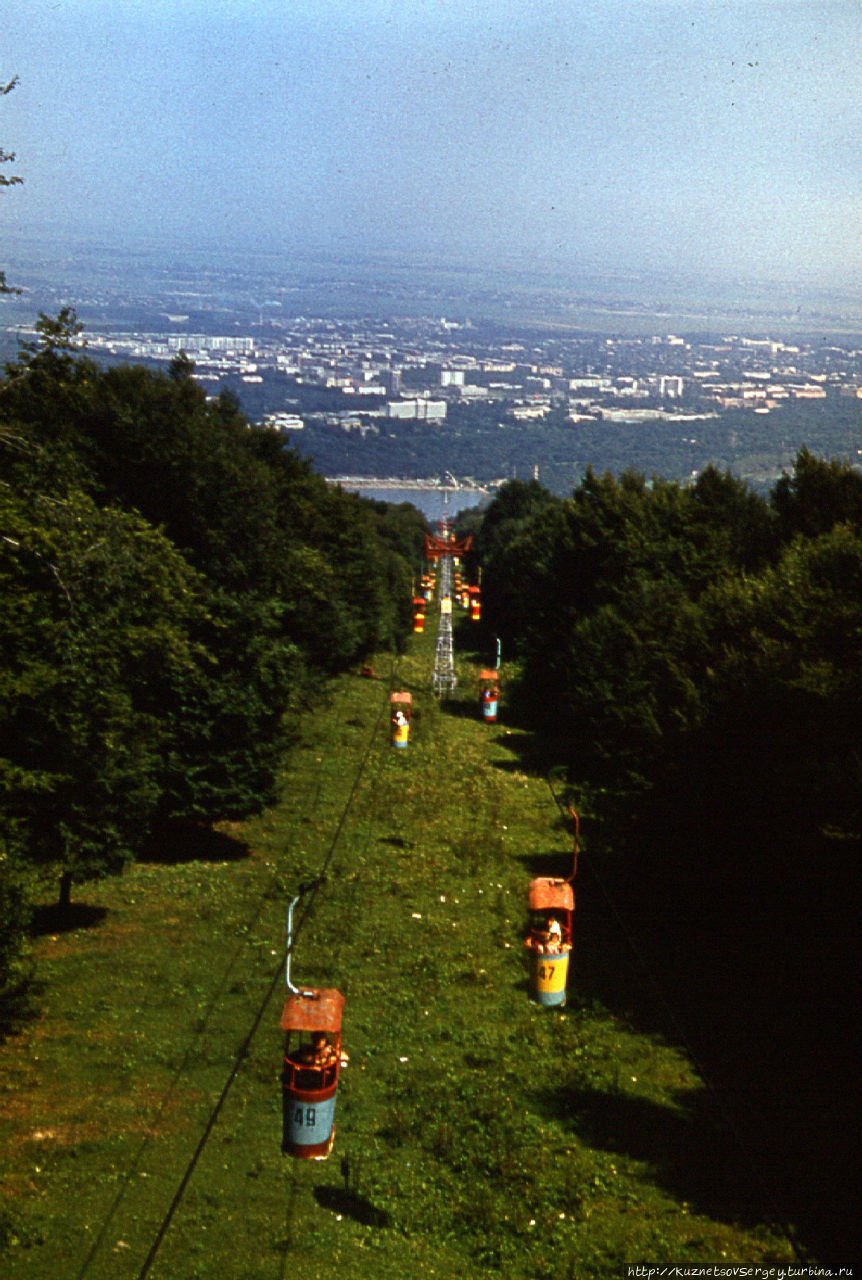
(351, 390)
(441, 362)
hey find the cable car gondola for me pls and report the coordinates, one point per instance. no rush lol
(549, 941)
(313, 1058)
(551, 904)
(311, 1021)
(400, 715)
(489, 694)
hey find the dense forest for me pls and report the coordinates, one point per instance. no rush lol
(173, 583)
(656, 624)
(691, 658)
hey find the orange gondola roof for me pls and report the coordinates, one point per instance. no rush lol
(547, 894)
(319, 1011)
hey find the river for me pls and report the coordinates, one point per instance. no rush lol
(433, 503)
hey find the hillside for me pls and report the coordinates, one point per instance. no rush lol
(477, 1133)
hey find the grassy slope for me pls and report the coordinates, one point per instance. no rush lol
(483, 1135)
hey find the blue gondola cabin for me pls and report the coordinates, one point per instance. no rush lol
(311, 1022)
(489, 695)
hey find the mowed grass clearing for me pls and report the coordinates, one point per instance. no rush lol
(477, 1133)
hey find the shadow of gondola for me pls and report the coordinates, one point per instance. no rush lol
(351, 1205)
(397, 842)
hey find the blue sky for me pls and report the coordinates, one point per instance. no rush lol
(720, 137)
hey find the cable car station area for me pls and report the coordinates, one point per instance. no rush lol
(412, 1071)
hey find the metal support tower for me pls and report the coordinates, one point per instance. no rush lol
(444, 657)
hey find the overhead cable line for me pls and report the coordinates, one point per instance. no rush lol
(201, 1028)
(309, 891)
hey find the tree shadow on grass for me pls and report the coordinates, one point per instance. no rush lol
(552, 864)
(351, 1205)
(51, 918)
(533, 753)
(719, 912)
(462, 708)
(176, 843)
(738, 952)
(691, 1150)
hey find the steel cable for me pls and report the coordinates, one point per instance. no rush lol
(307, 908)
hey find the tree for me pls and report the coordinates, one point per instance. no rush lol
(787, 675)
(224, 718)
(817, 495)
(513, 546)
(292, 575)
(14, 918)
(734, 526)
(94, 636)
(8, 180)
(344, 568)
(601, 596)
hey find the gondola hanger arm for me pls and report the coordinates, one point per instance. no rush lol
(576, 845)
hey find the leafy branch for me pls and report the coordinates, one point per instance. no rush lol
(8, 180)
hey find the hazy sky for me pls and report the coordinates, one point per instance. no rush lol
(718, 136)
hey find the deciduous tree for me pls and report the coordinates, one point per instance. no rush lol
(94, 634)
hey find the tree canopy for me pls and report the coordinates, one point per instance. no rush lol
(647, 615)
(173, 584)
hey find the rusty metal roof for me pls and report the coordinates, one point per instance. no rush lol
(317, 1011)
(547, 894)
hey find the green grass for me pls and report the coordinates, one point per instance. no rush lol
(477, 1133)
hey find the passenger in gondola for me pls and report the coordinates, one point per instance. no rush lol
(320, 1053)
(538, 939)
